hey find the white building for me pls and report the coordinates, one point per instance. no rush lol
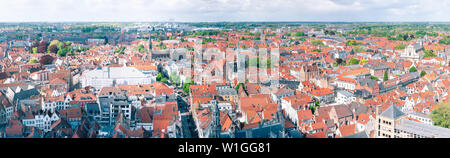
(348, 82)
(111, 76)
(9, 111)
(422, 117)
(53, 104)
(225, 106)
(412, 51)
(44, 121)
(344, 97)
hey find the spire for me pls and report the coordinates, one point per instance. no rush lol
(216, 126)
(150, 43)
(280, 119)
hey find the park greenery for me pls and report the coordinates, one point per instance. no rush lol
(374, 78)
(316, 50)
(46, 60)
(298, 34)
(187, 84)
(140, 48)
(121, 50)
(353, 61)
(317, 42)
(207, 33)
(400, 46)
(32, 61)
(441, 115)
(60, 48)
(428, 53)
(359, 49)
(174, 78)
(445, 40)
(352, 43)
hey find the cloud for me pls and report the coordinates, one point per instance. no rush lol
(224, 10)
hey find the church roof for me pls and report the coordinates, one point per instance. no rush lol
(392, 112)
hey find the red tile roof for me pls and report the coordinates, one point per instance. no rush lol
(347, 130)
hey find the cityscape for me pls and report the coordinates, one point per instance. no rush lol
(224, 79)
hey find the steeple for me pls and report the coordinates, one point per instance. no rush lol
(150, 43)
(280, 119)
(216, 126)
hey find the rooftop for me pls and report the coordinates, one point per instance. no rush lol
(392, 112)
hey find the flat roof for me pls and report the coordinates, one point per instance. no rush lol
(423, 129)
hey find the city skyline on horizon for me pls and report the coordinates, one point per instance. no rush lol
(225, 11)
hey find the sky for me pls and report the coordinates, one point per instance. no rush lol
(224, 10)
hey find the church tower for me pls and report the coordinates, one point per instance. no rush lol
(216, 126)
(280, 119)
(150, 43)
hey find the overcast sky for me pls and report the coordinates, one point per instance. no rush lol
(223, 10)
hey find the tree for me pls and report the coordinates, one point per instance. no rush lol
(429, 53)
(362, 61)
(163, 46)
(441, 115)
(374, 78)
(238, 85)
(121, 50)
(164, 80)
(353, 61)
(63, 51)
(159, 77)
(352, 43)
(140, 48)
(445, 40)
(46, 59)
(413, 69)
(32, 61)
(300, 33)
(42, 48)
(316, 42)
(312, 108)
(423, 73)
(400, 46)
(53, 48)
(339, 61)
(57, 43)
(386, 77)
(34, 50)
(186, 85)
(329, 32)
(359, 49)
(174, 78)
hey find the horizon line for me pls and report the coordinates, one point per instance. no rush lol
(320, 21)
